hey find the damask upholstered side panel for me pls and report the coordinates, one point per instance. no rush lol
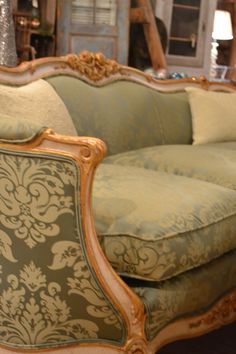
(49, 295)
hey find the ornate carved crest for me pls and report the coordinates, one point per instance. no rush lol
(93, 65)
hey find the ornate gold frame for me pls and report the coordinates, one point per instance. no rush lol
(97, 70)
(88, 152)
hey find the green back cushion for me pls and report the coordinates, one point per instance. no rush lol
(124, 114)
(175, 117)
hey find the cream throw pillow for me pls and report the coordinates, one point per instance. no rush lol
(39, 103)
(213, 115)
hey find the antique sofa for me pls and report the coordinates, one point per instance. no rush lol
(146, 254)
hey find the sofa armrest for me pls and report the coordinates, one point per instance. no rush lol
(51, 258)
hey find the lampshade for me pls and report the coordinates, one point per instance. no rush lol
(222, 28)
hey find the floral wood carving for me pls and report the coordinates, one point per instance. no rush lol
(93, 65)
(220, 314)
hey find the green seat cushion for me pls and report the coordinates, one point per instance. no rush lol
(153, 225)
(186, 295)
(214, 163)
(124, 114)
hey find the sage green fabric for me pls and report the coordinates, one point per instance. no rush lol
(186, 295)
(126, 115)
(153, 225)
(175, 117)
(214, 163)
(49, 295)
(18, 130)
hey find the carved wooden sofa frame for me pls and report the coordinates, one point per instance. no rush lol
(87, 153)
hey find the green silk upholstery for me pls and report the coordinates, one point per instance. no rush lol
(49, 295)
(153, 225)
(170, 236)
(18, 130)
(215, 163)
(186, 295)
(126, 115)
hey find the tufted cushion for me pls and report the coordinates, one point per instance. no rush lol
(154, 225)
(214, 163)
(37, 102)
(126, 115)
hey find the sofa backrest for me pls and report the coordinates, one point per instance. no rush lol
(121, 105)
(125, 114)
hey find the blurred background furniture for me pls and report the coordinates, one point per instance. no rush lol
(22, 22)
(35, 28)
(222, 30)
(189, 25)
(119, 30)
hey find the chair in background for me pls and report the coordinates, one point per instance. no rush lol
(25, 50)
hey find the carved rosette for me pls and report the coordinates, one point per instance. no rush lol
(95, 66)
(222, 313)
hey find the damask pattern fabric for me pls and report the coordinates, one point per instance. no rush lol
(186, 295)
(154, 225)
(215, 163)
(140, 115)
(48, 294)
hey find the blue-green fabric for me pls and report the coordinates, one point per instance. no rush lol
(124, 114)
(186, 295)
(215, 163)
(153, 225)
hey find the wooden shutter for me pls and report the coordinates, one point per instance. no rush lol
(94, 25)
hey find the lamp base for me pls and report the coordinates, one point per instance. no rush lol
(214, 55)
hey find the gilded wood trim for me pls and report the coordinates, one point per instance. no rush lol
(88, 152)
(81, 349)
(223, 312)
(97, 70)
(93, 65)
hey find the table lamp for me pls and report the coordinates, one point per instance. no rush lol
(222, 30)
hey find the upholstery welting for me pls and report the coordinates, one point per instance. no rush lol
(193, 218)
(182, 296)
(164, 211)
